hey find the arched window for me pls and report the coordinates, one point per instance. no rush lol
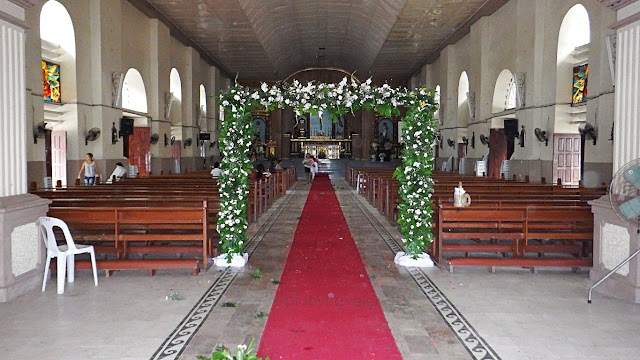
(175, 106)
(58, 53)
(59, 85)
(134, 95)
(202, 112)
(573, 50)
(463, 99)
(436, 98)
(504, 93)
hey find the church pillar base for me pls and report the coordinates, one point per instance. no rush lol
(21, 250)
(613, 241)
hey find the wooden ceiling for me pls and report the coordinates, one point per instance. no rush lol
(270, 39)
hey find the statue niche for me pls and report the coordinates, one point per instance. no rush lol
(261, 134)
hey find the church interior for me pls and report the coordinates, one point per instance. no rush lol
(528, 94)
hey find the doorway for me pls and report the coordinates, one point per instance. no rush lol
(56, 155)
(140, 150)
(567, 154)
(498, 151)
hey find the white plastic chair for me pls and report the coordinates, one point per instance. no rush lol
(64, 253)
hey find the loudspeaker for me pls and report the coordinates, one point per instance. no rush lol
(204, 136)
(511, 128)
(126, 127)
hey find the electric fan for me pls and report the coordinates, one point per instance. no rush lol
(624, 195)
(91, 135)
(484, 139)
(542, 136)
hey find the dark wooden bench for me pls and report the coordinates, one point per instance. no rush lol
(127, 228)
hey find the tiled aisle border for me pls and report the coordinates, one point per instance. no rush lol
(475, 345)
(177, 342)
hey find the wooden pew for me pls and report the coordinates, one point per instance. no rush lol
(128, 227)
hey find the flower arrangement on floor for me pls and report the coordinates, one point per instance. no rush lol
(337, 99)
(243, 352)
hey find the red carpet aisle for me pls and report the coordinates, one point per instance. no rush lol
(325, 307)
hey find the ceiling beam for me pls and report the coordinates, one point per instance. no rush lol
(152, 12)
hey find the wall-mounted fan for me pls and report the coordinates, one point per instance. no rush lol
(39, 131)
(187, 142)
(484, 139)
(588, 131)
(91, 135)
(624, 195)
(451, 143)
(154, 139)
(542, 136)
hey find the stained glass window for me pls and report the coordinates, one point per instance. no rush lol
(51, 81)
(579, 90)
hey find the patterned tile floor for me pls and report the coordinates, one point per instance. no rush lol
(469, 314)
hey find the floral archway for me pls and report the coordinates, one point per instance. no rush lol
(414, 175)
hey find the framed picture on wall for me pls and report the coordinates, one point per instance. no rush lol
(579, 87)
(51, 82)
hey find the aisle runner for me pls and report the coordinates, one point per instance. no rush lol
(325, 307)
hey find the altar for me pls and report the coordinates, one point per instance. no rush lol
(322, 147)
(320, 137)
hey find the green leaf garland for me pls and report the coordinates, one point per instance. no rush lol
(414, 175)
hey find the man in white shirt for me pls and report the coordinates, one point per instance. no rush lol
(216, 171)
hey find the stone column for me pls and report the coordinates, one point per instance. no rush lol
(613, 239)
(21, 252)
(626, 146)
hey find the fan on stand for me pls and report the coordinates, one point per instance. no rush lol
(624, 195)
(542, 136)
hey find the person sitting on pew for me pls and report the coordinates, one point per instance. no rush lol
(279, 166)
(117, 174)
(261, 173)
(216, 171)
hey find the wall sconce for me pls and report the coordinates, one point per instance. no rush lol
(187, 142)
(166, 139)
(438, 138)
(473, 140)
(611, 137)
(521, 137)
(39, 131)
(114, 134)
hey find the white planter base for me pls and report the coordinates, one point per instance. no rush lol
(236, 261)
(423, 260)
